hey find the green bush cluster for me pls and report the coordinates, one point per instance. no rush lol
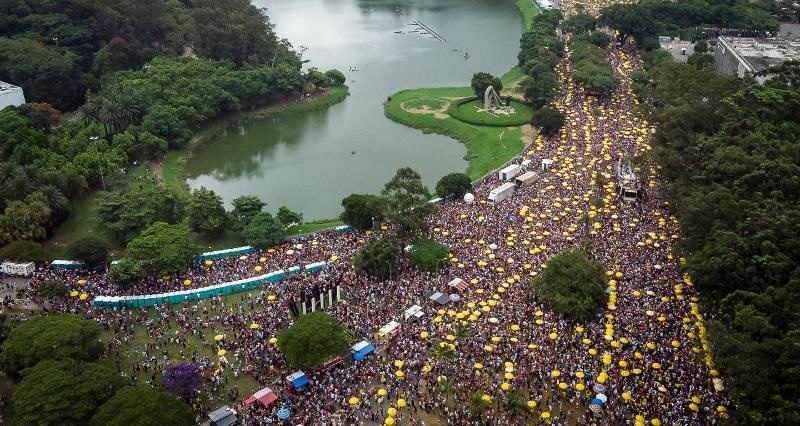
(540, 51)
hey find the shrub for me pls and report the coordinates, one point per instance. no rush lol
(378, 257)
(429, 255)
(572, 285)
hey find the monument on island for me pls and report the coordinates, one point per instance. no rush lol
(493, 105)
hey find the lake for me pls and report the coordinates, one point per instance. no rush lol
(310, 161)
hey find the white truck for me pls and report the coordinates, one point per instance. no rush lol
(502, 192)
(526, 178)
(20, 269)
(509, 172)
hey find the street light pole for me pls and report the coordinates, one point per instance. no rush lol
(99, 161)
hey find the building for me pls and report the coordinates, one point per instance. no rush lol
(743, 55)
(10, 95)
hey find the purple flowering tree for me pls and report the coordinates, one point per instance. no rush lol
(183, 380)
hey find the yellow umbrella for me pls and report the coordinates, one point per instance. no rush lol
(401, 403)
(219, 337)
(391, 411)
(626, 396)
(81, 282)
(258, 268)
(187, 282)
(531, 404)
(273, 340)
(399, 374)
(254, 326)
(74, 294)
(563, 386)
(555, 373)
(424, 334)
(545, 415)
(84, 296)
(398, 363)
(221, 352)
(353, 400)
(209, 262)
(477, 366)
(580, 386)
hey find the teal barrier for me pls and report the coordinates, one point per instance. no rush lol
(225, 289)
(219, 254)
(69, 265)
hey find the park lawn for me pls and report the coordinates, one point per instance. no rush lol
(470, 112)
(313, 226)
(528, 11)
(487, 147)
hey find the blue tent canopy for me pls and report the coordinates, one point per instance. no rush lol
(298, 379)
(361, 350)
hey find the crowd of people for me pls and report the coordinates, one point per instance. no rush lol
(643, 357)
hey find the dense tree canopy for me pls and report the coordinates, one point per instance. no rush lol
(65, 392)
(429, 255)
(407, 205)
(481, 81)
(455, 184)
(363, 211)
(263, 230)
(313, 339)
(549, 120)
(572, 285)
(143, 405)
(244, 210)
(206, 214)
(125, 214)
(379, 257)
(728, 150)
(591, 67)
(162, 249)
(91, 250)
(540, 51)
(50, 337)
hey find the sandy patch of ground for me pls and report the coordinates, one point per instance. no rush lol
(440, 113)
(529, 134)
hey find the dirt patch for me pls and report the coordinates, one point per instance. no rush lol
(529, 134)
(440, 113)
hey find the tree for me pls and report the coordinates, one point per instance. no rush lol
(162, 249)
(701, 47)
(477, 404)
(579, 23)
(125, 272)
(264, 230)
(184, 380)
(379, 257)
(600, 39)
(539, 91)
(25, 220)
(407, 204)
(206, 214)
(23, 251)
(90, 250)
(245, 208)
(287, 217)
(143, 405)
(572, 285)
(53, 337)
(549, 120)
(455, 184)
(336, 76)
(52, 289)
(429, 255)
(65, 392)
(363, 211)
(481, 81)
(125, 215)
(313, 339)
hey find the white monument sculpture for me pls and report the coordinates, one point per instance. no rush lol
(492, 104)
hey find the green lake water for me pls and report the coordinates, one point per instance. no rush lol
(310, 161)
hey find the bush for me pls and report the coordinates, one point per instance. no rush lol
(362, 210)
(143, 405)
(572, 285)
(482, 80)
(263, 230)
(429, 255)
(378, 257)
(23, 251)
(126, 272)
(548, 119)
(50, 337)
(456, 184)
(90, 250)
(318, 78)
(313, 339)
(336, 77)
(53, 289)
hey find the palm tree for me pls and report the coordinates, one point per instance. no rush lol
(462, 331)
(476, 404)
(55, 198)
(515, 403)
(441, 350)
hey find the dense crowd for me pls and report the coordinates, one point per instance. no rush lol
(645, 352)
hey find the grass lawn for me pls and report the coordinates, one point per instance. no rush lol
(314, 226)
(470, 112)
(487, 147)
